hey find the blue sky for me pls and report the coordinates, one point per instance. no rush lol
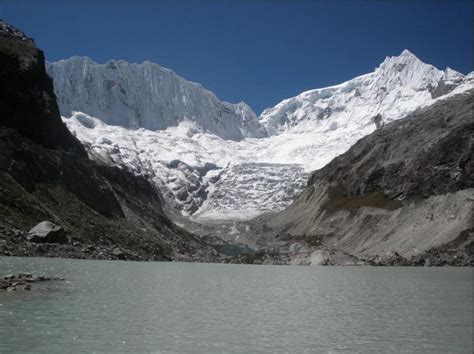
(258, 51)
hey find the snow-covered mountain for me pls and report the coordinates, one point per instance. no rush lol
(397, 87)
(248, 165)
(146, 96)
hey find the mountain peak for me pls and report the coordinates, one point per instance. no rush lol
(398, 86)
(408, 70)
(451, 73)
(405, 58)
(407, 53)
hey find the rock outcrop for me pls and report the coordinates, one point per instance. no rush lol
(23, 281)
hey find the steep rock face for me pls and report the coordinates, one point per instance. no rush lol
(406, 188)
(146, 96)
(44, 175)
(429, 154)
(27, 100)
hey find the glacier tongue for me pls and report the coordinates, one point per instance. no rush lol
(231, 165)
(241, 191)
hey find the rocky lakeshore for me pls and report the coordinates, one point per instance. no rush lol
(29, 244)
(436, 257)
(17, 243)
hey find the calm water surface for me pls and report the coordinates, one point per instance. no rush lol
(213, 308)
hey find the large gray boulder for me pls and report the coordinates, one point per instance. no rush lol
(47, 232)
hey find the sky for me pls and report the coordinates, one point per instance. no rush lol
(257, 51)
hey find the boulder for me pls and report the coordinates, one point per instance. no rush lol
(47, 232)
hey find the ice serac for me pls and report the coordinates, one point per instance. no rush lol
(146, 96)
(201, 174)
(241, 191)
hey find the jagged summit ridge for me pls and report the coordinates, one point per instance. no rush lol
(399, 85)
(150, 96)
(146, 96)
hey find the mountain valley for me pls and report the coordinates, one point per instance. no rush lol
(144, 164)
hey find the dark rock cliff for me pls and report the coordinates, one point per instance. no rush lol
(27, 99)
(107, 213)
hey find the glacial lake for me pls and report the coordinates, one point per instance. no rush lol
(107, 306)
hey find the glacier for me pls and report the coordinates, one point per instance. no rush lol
(216, 160)
(199, 173)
